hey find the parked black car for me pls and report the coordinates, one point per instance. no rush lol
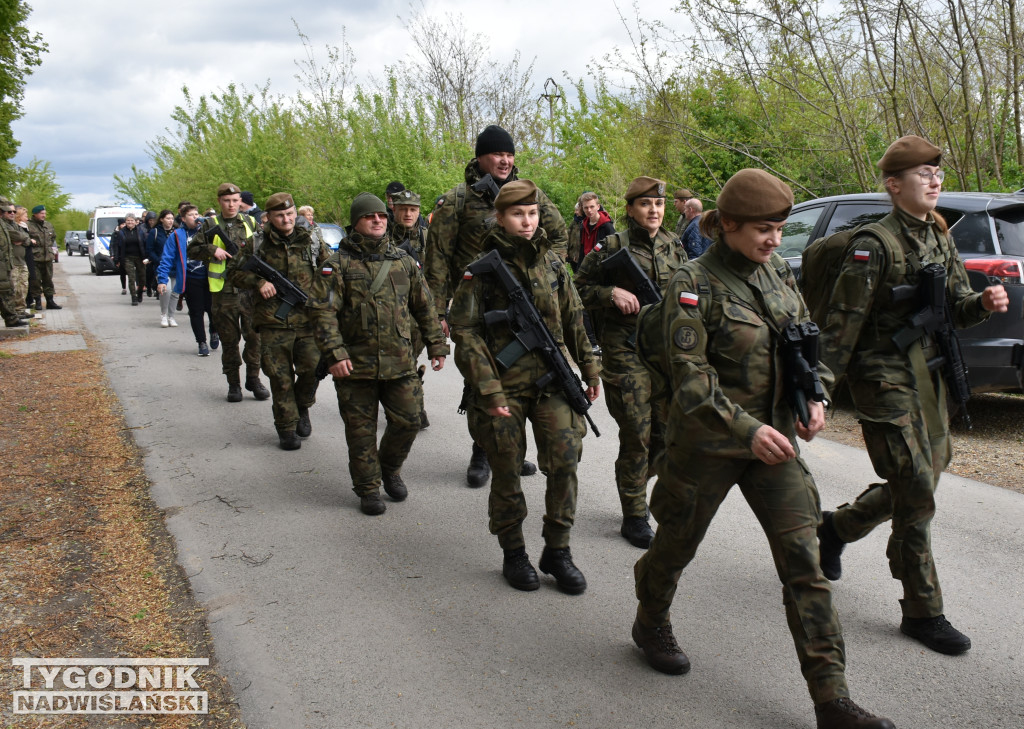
(75, 242)
(988, 229)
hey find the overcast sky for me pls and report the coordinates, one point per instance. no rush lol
(78, 118)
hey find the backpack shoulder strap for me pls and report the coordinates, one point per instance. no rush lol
(895, 258)
(460, 199)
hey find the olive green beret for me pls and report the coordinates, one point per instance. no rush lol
(909, 151)
(517, 192)
(365, 203)
(279, 201)
(645, 187)
(752, 194)
(228, 189)
(683, 194)
(405, 197)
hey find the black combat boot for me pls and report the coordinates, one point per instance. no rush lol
(39, 303)
(830, 548)
(518, 571)
(529, 468)
(842, 713)
(253, 385)
(14, 323)
(234, 392)
(637, 531)
(424, 420)
(289, 440)
(304, 429)
(660, 648)
(51, 304)
(937, 634)
(479, 469)
(558, 563)
(395, 487)
(372, 504)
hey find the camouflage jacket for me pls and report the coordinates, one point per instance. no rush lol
(239, 229)
(541, 272)
(45, 237)
(856, 338)
(6, 248)
(723, 351)
(454, 239)
(411, 240)
(373, 330)
(659, 258)
(294, 259)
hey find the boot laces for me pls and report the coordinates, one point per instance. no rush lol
(846, 704)
(667, 640)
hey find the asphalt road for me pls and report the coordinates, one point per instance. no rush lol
(324, 617)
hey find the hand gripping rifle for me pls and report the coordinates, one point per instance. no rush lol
(229, 245)
(622, 267)
(936, 319)
(800, 367)
(289, 294)
(531, 333)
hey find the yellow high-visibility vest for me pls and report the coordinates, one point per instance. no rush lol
(215, 269)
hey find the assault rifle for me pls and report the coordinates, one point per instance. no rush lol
(289, 294)
(800, 367)
(936, 319)
(531, 333)
(229, 245)
(622, 267)
(487, 185)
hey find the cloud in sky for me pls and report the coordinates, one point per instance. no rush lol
(114, 71)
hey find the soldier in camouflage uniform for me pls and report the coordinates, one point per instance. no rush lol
(231, 312)
(411, 237)
(46, 241)
(900, 404)
(363, 305)
(729, 424)
(505, 400)
(289, 353)
(10, 306)
(21, 250)
(613, 307)
(461, 220)
(679, 200)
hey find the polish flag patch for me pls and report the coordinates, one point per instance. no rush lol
(862, 256)
(327, 270)
(597, 247)
(467, 276)
(688, 299)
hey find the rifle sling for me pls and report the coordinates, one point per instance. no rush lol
(375, 286)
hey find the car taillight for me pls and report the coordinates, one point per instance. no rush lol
(1006, 270)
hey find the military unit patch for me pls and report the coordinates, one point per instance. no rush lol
(862, 256)
(687, 299)
(686, 338)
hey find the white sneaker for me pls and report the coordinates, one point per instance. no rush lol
(170, 320)
(163, 321)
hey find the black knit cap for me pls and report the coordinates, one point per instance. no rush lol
(393, 187)
(494, 139)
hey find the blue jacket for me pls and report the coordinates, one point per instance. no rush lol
(155, 240)
(693, 242)
(174, 263)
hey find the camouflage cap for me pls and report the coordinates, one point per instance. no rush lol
(365, 203)
(517, 192)
(6, 206)
(752, 194)
(279, 201)
(406, 197)
(909, 151)
(683, 193)
(228, 189)
(645, 187)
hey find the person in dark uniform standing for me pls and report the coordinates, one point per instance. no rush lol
(363, 304)
(613, 307)
(729, 423)
(506, 399)
(289, 351)
(45, 254)
(900, 403)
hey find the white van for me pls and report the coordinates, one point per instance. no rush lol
(102, 224)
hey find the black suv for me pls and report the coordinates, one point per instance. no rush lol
(988, 229)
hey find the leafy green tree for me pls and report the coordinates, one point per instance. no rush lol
(37, 184)
(20, 52)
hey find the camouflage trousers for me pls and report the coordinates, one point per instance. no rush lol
(9, 305)
(135, 270)
(641, 435)
(402, 399)
(910, 459)
(231, 315)
(558, 432)
(19, 275)
(690, 488)
(289, 358)
(43, 281)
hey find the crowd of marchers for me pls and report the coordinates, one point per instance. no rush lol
(494, 267)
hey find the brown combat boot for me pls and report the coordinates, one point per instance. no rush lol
(660, 648)
(842, 713)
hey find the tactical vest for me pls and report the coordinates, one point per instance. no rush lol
(215, 269)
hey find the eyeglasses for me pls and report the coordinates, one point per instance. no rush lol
(376, 216)
(927, 175)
